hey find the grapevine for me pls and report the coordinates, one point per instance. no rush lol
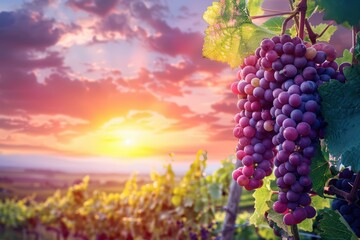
(283, 125)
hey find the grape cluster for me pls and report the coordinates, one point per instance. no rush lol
(255, 125)
(350, 212)
(280, 115)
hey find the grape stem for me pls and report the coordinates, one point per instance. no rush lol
(352, 197)
(296, 18)
(355, 31)
(295, 232)
(287, 20)
(271, 15)
(301, 10)
(314, 36)
(349, 197)
(302, 7)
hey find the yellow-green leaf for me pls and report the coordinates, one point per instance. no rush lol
(328, 33)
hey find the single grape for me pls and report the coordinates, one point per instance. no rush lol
(289, 219)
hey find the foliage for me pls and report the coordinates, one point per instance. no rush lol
(332, 226)
(162, 209)
(346, 57)
(320, 172)
(342, 11)
(231, 35)
(226, 41)
(327, 35)
(342, 114)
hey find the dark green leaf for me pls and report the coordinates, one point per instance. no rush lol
(332, 226)
(342, 11)
(320, 172)
(341, 110)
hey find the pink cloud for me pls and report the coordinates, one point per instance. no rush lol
(98, 7)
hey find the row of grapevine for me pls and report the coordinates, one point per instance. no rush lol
(165, 208)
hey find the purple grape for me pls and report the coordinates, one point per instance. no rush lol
(271, 55)
(267, 44)
(277, 65)
(300, 50)
(292, 196)
(300, 214)
(289, 178)
(278, 48)
(312, 106)
(288, 48)
(320, 57)
(303, 169)
(288, 122)
(309, 73)
(287, 59)
(310, 211)
(279, 207)
(290, 133)
(283, 97)
(296, 187)
(300, 62)
(289, 71)
(285, 38)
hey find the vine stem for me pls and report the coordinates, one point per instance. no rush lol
(355, 31)
(286, 21)
(325, 29)
(302, 7)
(295, 232)
(353, 193)
(271, 15)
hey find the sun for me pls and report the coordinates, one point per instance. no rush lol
(128, 142)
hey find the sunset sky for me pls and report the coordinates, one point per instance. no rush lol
(106, 81)
(111, 78)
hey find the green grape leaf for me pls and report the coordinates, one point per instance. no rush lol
(341, 110)
(342, 11)
(306, 225)
(320, 203)
(328, 33)
(254, 7)
(320, 172)
(332, 226)
(274, 24)
(214, 190)
(346, 57)
(262, 196)
(231, 36)
(278, 219)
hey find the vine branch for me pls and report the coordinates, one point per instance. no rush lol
(272, 15)
(295, 232)
(302, 7)
(355, 31)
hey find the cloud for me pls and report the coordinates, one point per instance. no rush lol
(226, 105)
(98, 7)
(25, 30)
